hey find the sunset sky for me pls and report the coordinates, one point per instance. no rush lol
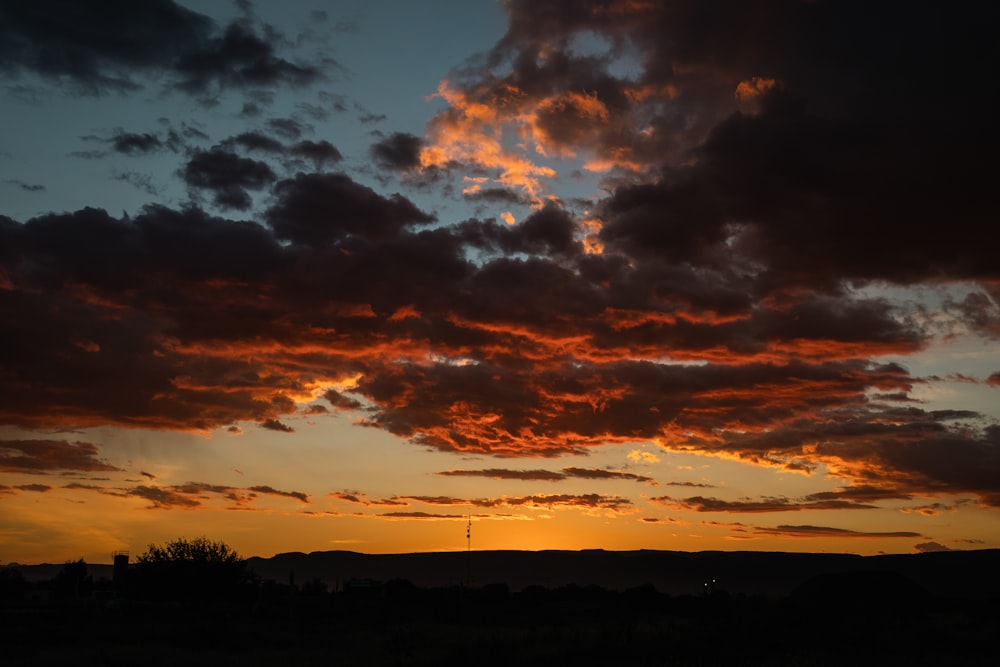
(316, 275)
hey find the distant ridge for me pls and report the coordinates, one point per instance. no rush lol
(954, 574)
(961, 574)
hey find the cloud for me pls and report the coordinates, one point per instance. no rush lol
(421, 515)
(320, 153)
(164, 498)
(717, 295)
(547, 475)
(320, 209)
(362, 499)
(98, 50)
(597, 473)
(26, 187)
(49, 455)
(228, 176)
(703, 504)
(930, 547)
(275, 425)
(588, 500)
(191, 495)
(271, 491)
(503, 473)
(399, 151)
(824, 531)
(35, 488)
(135, 143)
(253, 141)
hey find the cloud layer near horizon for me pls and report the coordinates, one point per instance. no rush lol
(759, 173)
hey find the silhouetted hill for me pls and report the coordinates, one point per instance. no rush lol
(964, 574)
(957, 574)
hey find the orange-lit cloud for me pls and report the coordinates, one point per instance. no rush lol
(726, 290)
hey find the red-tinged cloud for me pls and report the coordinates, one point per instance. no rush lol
(824, 531)
(49, 455)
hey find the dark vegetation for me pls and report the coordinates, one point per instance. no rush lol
(197, 603)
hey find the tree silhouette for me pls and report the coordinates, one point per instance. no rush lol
(72, 580)
(195, 570)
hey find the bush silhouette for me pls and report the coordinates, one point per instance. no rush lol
(191, 571)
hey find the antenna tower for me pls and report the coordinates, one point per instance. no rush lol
(468, 558)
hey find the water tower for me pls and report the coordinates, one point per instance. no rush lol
(119, 575)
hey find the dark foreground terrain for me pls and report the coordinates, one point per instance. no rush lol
(907, 610)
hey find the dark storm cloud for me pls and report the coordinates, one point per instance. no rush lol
(289, 128)
(46, 455)
(764, 133)
(773, 171)
(319, 153)
(101, 46)
(254, 141)
(320, 209)
(496, 196)
(399, 151)
(549, 231)
(240, 58)
(135, 143)
(228, 176)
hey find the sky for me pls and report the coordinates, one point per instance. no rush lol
(604, 274)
